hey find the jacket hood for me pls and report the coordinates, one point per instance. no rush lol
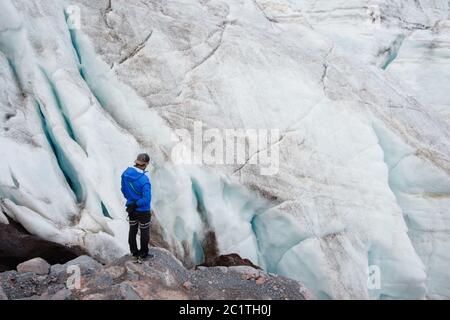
(132, 174)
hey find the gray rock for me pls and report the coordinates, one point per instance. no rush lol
(165, 276)
(21, 285)
(45, 296)
(132, 275)
(115, 271)
(57, 270)
(128, 292)
(221, 269)
(101, 281)
(86, 264)
(245, 270)
(3, 295)
(62, 294)
(36, 265)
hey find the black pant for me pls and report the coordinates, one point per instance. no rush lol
(139, 220)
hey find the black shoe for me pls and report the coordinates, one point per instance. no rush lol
(145, 257)
(135, 257)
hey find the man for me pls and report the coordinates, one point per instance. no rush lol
(137, 190)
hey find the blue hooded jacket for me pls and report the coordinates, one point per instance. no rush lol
(136, 188)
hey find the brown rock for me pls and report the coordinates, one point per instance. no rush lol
(36, 265)
(260, 280)
(229, 260)
(164, 294)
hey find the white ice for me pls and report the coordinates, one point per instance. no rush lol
(364, 150)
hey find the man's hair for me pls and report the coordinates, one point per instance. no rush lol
(142, 159)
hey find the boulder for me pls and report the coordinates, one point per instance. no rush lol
(86, 264)
(36, 265)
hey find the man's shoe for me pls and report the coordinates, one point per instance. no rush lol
(135, 257)
(146, 257)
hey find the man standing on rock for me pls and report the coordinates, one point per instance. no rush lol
(137, 190)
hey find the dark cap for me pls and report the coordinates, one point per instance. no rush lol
(142, 159)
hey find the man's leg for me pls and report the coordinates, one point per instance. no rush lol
(134, 224)
(144, 227)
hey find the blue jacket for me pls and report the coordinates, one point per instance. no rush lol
(136, 188)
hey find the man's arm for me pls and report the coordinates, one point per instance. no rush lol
(146, 195)
(122, 188)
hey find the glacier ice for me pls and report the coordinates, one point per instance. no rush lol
(364, 149)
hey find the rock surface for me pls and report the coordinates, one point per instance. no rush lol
(36, 265)
(17, 245)
(162, 277)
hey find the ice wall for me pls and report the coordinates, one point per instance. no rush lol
(58, 176)
(82, 102)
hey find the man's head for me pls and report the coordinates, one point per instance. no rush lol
(142, 161)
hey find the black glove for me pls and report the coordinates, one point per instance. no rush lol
(131, 207)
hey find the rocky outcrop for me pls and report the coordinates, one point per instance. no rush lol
(162, 277)
(229, 260)
(17, 246)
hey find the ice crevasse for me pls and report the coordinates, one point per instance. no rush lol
(363, 176)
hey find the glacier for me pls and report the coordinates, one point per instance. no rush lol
(358, 90)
